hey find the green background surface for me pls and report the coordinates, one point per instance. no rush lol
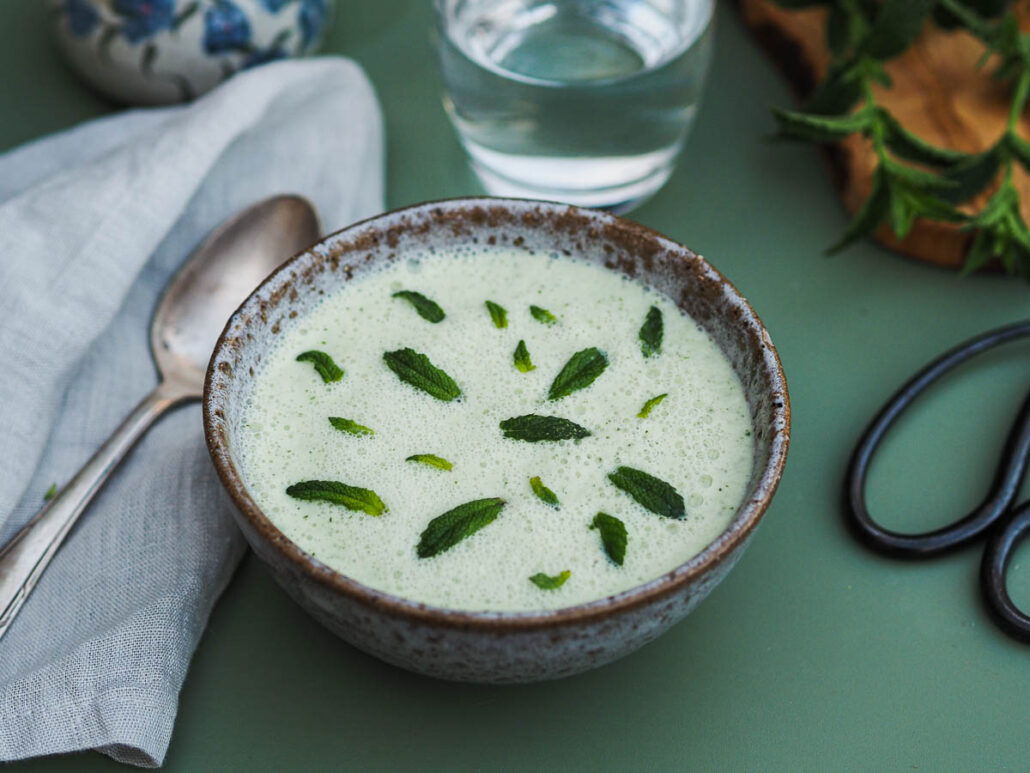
(813, 654)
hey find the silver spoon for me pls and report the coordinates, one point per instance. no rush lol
(216, 279)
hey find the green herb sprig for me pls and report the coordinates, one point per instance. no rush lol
(522, 359)
(650, 404)
(548, 581)
(613, 536)
(498, 314)
(542, 315)
(323, 364)
(543, 493)
(414, 368)
(337, 493)
(650, 492)
(427, 308)
(862, 36)
(350, 426)
(579, 372)
(447, 530)
(431, 460)
(535, 429)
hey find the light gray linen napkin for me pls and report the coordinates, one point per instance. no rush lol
(93, 222)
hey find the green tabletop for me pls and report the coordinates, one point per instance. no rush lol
(814, 654)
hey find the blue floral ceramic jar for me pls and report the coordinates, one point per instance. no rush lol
(160, 51)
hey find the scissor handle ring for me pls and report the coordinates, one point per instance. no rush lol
(993, 569)
(1007, 478)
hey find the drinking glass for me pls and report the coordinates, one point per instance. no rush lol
(583, 101)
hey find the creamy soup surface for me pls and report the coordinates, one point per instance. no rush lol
(697, 440)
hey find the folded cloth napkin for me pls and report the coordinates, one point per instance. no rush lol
(93, 222)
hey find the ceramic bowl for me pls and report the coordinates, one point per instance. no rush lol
(497, 646)
(149, 52)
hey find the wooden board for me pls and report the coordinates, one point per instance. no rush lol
(938, 93)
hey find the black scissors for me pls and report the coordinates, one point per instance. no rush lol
(1005, 523)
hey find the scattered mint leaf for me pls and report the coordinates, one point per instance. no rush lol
(430, 460)
(650, 492)
(534, 429)
(334, 492)
(579, 372)
(542, 315)
(50, 492)
(646, 410)
(327, 369)
(346, 425)
(447, 530)
(498, 314)
(416, 369)
(522, 361)
(427, 309)
(651, 332)
(550, 582)
(613, 536)
(543, 493)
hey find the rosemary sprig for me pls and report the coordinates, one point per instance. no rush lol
(861, 36)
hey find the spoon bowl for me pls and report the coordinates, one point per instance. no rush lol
(220, 273)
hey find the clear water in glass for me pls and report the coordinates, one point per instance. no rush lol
(582, 101)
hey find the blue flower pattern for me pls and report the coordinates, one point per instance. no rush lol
(312, 17)
(82, 17)
(145, 18)
(226, 28)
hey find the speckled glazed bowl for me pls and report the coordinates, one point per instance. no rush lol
(497, 646)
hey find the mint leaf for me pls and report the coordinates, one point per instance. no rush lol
(534, 429)
(613, 536)
(426, 308)
(50, 492)
(579, 372)
(550, 582)
(430, 460)
(498, 314)
(543, 493)
(346, 425)
(650, 492)
(646, 410)
(447, 530)
(522, 361)
(542, 315)
(334, 492)
(416, 369)
(327, 369)
(651, 332)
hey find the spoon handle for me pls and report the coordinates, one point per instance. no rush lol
(24, 559)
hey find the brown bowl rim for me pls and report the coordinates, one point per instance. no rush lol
(739, 529)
